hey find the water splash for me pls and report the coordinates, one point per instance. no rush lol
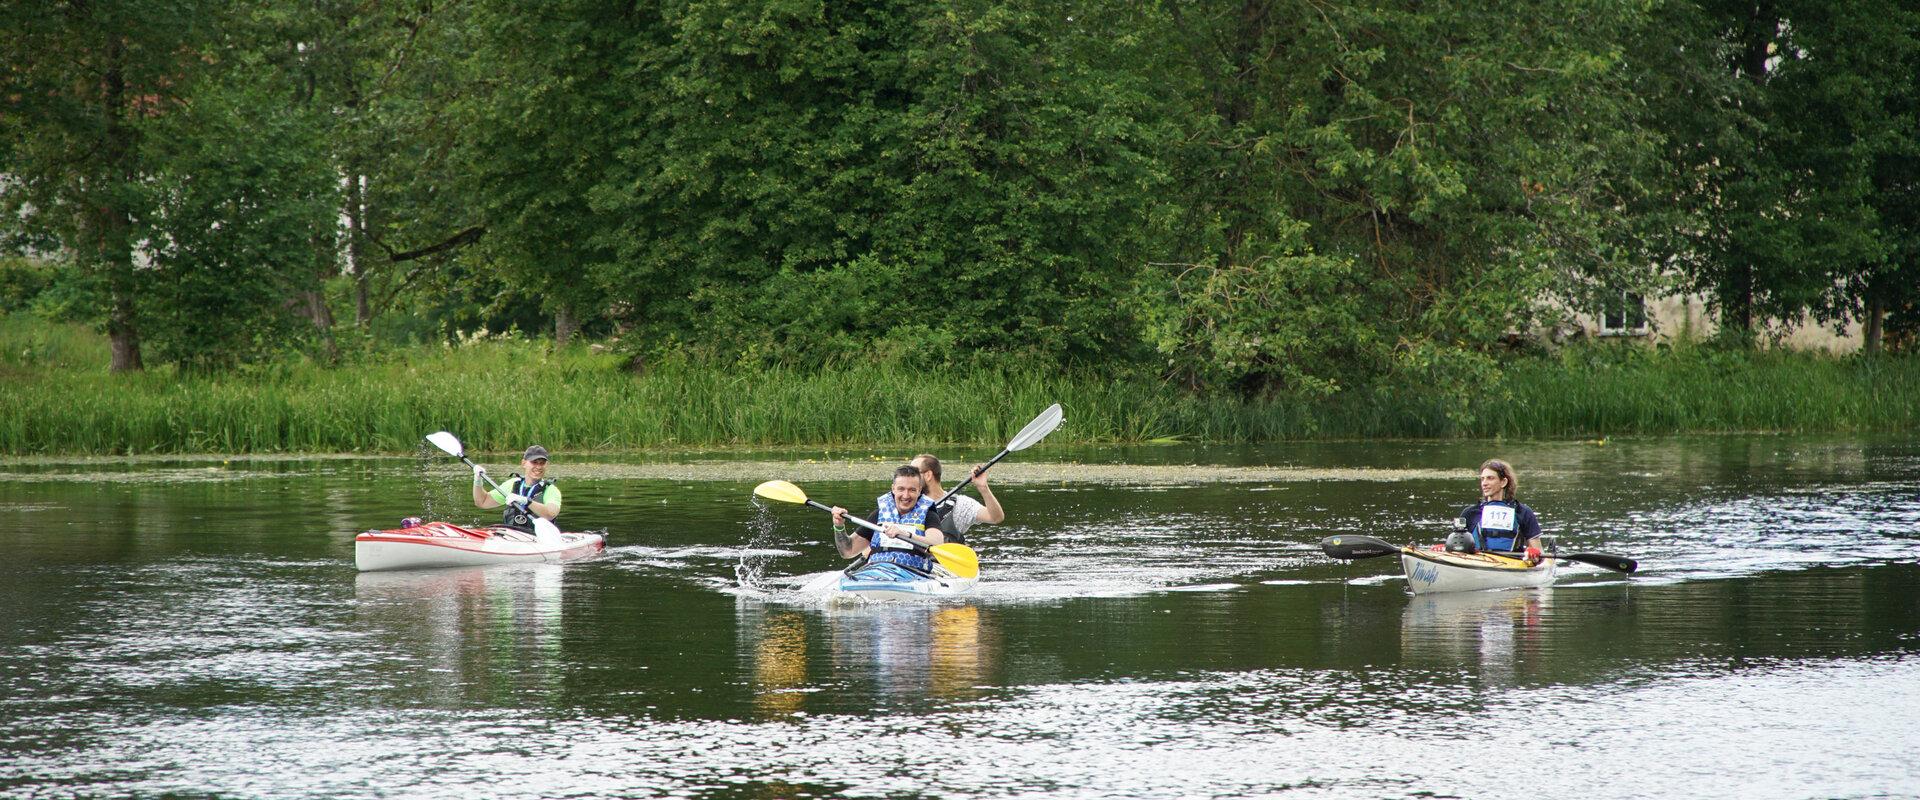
(424, 454)
(750, 572)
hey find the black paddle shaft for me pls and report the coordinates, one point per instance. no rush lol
(953, 495)
(1610, 561)
(1353, 547)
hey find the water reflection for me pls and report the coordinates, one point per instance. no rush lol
(1486, 630)
(886, 650)
(467, 634)
(777, 642)
(909, 649)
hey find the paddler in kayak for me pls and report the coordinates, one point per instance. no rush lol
(953, 513)
(532, 493)
(1498, 523)
(902, 512)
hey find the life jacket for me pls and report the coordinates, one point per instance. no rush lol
(1497, 524)
(942, 513)
(888, 549)
(515, 517)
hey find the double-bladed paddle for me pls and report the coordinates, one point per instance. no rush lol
(1027, 437)
(543, 528)
(1353, 547)
(959, 559)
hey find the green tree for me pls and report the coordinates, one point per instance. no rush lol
(1425, 176)
(1784, 163)
(554, 91)
(84, 82)
(239, 196)
(790, 180)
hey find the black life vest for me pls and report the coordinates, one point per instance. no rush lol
(517, 517)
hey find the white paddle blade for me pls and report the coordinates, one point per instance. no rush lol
(448, 442)
(544, 531)
(1037, 429)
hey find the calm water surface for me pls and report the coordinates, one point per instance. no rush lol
(196, 628)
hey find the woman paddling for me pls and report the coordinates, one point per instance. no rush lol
(1498, 522)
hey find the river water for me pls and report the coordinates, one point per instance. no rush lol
(1152, 622)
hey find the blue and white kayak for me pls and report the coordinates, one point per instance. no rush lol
(890, 582)
(881, 581)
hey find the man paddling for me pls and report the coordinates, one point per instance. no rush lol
(902, 514)
(955, 513)
(523, 496)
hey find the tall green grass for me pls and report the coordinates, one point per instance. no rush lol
(500, 395)
(1604, 389)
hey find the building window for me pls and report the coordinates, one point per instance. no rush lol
(1624, 314)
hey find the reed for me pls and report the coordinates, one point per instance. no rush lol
(500, 394)
(1601, 390)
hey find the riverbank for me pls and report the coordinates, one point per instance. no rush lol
(496, 393)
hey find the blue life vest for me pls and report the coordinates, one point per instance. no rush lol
(515, 517)
(886, 549)
(1496, 525)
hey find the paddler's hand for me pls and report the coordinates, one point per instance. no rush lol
(899, 531)
(479, 475)
(979, 477)
(839, 517)
(1533, 555)
(518, 500)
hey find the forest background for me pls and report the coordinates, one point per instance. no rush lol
(336, 224)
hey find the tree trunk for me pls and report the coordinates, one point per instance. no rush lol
(356, 249)
(115, 256)
(564, 325)
(1738, 313)
(1763, 27)
(122, 335)
(322, 318)
(1876, 312)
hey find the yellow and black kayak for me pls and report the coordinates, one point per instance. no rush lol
(1431, 570)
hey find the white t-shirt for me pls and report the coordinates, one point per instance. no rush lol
(959, 518)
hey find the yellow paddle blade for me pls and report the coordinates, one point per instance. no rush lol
(959, 559)
(782, 491)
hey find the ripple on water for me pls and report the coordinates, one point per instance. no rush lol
(1208, 734)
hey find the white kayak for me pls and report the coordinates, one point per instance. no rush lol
(443, 544)
(1432, 571)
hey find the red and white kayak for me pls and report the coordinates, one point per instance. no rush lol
(443, 544)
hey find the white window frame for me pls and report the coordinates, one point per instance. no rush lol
(1632, 305)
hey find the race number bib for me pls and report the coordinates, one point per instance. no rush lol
(1496, 518)
(887, 541)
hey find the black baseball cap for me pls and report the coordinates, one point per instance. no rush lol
(535, 452)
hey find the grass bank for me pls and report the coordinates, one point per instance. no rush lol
(498, 395)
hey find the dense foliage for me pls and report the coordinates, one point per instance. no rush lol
(1294, 199)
